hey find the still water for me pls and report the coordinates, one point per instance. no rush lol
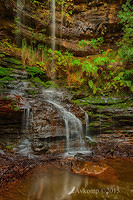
(52, 183)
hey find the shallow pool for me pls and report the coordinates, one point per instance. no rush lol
(53, 183)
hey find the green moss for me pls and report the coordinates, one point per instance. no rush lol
(37, 82)
(103, 101)
(9, 146)
(32, 85)
(108, 131)
(51, 84)
(31, 92)
(5, 98)
(100, 103)
(124, 105)
(78, 102)
(16, 109)
(1, 86)
(14, 61)
(33, 71)
(45, 84)
(7, 78)
(10, 106)
(17, 67)
(4, 72)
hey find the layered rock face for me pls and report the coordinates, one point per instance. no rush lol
(90, 19)
(75, 20)
(34, 115)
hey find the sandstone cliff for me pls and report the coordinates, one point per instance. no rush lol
(75, 20)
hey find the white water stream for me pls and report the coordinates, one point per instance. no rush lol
(73, 126)
(53, 27)
(62, 16)
(18, 21)
(20, 18)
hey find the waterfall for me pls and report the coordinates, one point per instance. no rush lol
(24, 146)
(20, 18)
(53, 28)
(87, 123)
(53, 24)
(87, 136)
(100, 120)
(87, 128)
(18, 21)
(25, 106)
(62, 16)
(26, 118)
(73, 126)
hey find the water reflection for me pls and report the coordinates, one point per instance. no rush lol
(50, 183)
(57, 184)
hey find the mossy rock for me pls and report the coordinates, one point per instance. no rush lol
(104, 100)
(13, 61)
(31, 92)
(4, 71)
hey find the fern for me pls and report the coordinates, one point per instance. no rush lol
(89, 68)
(90, 82)
(76, 62)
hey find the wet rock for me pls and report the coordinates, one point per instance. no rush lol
(2, 152)
(49, 124)
(45, 121)
(97, 169)
(109, 146)
(14, 167)
(39, 148)
(12, 114)
(107, 115)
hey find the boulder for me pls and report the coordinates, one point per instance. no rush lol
(97, 169)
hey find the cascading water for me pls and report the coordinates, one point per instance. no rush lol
(19, 16)
(24, 147)
(87, 123)
(62, 16)
(73, 126)
(26, 119)
(100, 120)
(87, 136)
(25, 106)
(53, 24)
(53, 28)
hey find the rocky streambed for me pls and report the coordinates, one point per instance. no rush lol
(42, 139)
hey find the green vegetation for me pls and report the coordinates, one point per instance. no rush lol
(34, 71)
(3, 72)
(12, 103)
(9, 146)
(5, 76)
(13, 61)
(126, 44)
(105, 73)
(94, 43)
